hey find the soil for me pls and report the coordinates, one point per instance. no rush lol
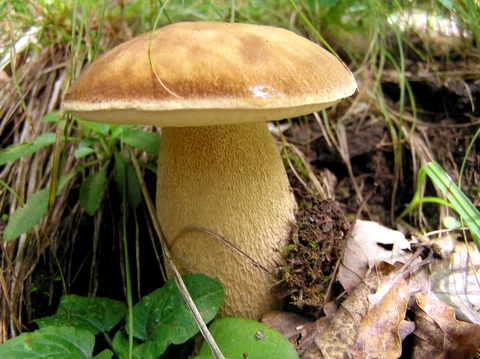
(448, 116)
(311, 258)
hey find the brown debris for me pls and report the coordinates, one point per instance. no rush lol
(311, 259)
(439, 334)
(367, 324)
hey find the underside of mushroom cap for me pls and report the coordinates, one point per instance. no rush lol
(207, 73)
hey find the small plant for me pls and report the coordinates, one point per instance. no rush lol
(99, 145)
(159, 319)
(456, 199)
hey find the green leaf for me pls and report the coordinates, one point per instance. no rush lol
(51, 117)
(451, 222)
(457, 198)
(121, 129)
(121, 346)
(245, 338)
(119, 174)
(50, 342)
(84, 147)
(87, 142)
(101, 128)
(106, 354)
(143, 140)
(163, 318)
(126, 180)
(134, 191)
(23, 219)
(91, 190)
(26, 217)
(447, 3)
(95, 314)
(16, 152)
(83, 152)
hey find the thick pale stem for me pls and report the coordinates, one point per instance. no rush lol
(229, 180)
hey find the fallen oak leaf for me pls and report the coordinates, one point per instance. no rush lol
(438, 334)
(368, 244)
(379, 333)
(347, 335)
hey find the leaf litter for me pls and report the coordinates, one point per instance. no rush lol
(387, 289)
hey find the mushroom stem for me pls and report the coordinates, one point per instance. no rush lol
(228, 180)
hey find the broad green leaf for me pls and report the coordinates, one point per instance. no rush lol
(26, 217)
(23, 219)
(121, 129)
(87, 142)
(83, 152)
(102, 128)
(134, 191)
(84, 147)
(163, 318)
(105, 354)
(119, 173)
(51, 117)
(126, 180)
(95, 314)
(91, 190)
(16, 152)
(50, 342)
(164, 314)
(121, 347)
(246, 338)
(143, 140)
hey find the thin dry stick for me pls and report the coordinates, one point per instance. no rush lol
(178, 278)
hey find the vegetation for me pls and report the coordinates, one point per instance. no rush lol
(72, 213)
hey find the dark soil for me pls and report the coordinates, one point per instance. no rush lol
(448, 116)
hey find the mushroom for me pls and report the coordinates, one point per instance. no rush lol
(211, 87)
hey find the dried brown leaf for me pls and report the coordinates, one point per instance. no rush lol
(367, 323)
(439, 335)
(379, 332)
(370, 243)
(337, 339)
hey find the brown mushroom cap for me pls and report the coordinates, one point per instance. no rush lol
(215, 73)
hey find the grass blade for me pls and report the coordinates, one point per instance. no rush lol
(457, 198)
